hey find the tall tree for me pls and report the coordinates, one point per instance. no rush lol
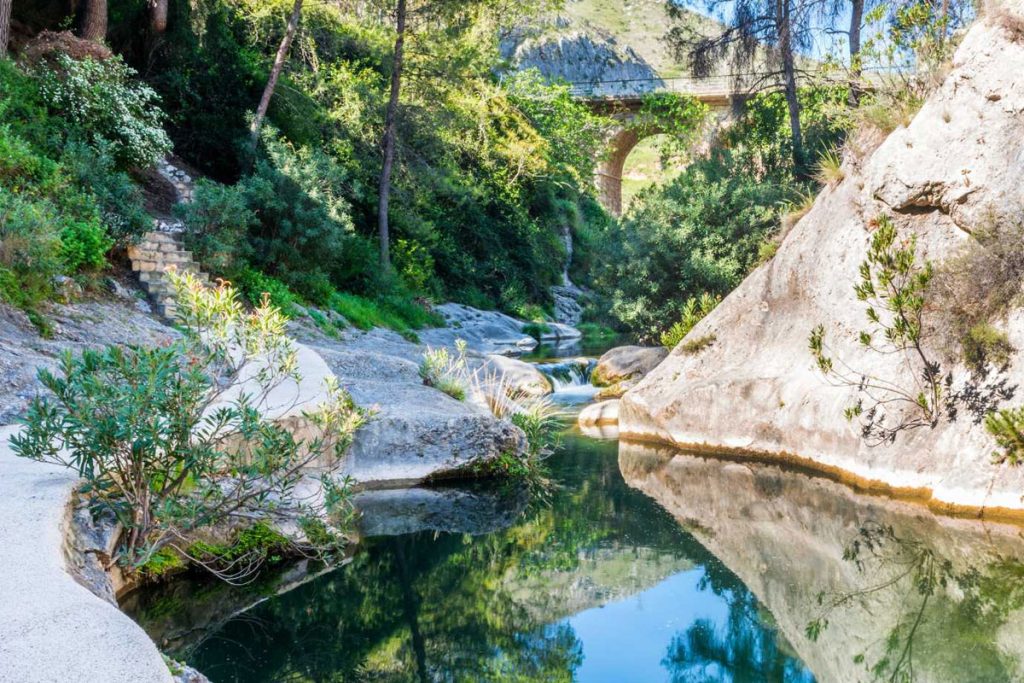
(158, 15)
(760, 40)
(94, 23)
(410, 17)
(5, 26)
(388, 142)
(275, 70)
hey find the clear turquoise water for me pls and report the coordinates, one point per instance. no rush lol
(594, 583)
(638, 564)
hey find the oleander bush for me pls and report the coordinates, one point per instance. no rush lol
(165, 444)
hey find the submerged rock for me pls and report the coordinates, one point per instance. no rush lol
(627, 363)
(757, 388)
(392, 512)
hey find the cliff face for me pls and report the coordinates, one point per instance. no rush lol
(958, 165)
(592, 60)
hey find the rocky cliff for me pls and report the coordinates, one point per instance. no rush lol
(588, 58)
(957, 167)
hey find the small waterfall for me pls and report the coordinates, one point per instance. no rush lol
(570, 379)
(568, 309)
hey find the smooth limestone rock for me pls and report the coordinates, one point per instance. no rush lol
(757, 388)
(603, 414)
(515, 374)
(786, 535)
(415, 432)
(483, 331)
(52, 628)
(626, 363)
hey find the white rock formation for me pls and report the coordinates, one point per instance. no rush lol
(757, 389)
(627, 363)
(51, 628)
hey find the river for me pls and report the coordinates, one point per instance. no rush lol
(634, 564)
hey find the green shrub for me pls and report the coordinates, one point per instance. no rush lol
(254, 286)
(107, 106)
(84, 245)
(694, 310)
(1007, 427)
(29, 247)
(217, 223)
(118, 198)
(135, 424)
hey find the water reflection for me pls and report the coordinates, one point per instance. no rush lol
(596, 584)
(864, 588)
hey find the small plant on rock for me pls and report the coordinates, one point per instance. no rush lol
(173, 440)
(829, 170)
(893, 283)
(446, 371)
(694, 310)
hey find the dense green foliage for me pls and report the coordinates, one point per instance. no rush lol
(702, 232)
(164, 446)
(64, 194)
(487, 174)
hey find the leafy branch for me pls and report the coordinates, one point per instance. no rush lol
(894, 285)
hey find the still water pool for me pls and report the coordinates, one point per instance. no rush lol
(639, 564)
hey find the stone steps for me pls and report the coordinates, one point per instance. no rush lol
(152, 257)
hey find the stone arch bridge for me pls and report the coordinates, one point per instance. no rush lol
(622, 100)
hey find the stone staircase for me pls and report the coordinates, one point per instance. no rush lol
(162, 248)
(152, 257)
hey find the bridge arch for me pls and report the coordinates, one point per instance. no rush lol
(624, 108)
(609, 171)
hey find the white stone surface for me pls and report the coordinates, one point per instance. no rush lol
(757, 389)
(53, 630)
(602, 414)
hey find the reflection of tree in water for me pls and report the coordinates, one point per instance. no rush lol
(946, 619)
(744, 651)
(436, 607)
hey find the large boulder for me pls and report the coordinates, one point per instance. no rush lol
(483, 331)
(627, 363)
(414, 432)
(757, 388)
(514, 374)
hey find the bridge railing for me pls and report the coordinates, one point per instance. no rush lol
(719, 85)
(712, 85)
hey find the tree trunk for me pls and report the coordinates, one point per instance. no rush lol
(5, 26)
(94, 24)
(784, 23)
(856, 19)
(389, 140)
(275, 71)
(158, 15)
